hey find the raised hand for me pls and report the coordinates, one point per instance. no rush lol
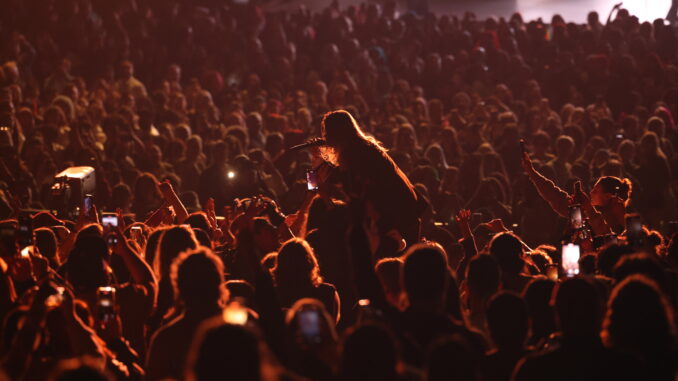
(496, 225)
(526, 163)
(463, 219)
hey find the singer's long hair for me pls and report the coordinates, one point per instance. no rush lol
(344, 136)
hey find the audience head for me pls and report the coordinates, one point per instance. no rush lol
(224, 349)
(578, 308)
(508, 321)
(425, 274)
(508, 250)
(198, 277)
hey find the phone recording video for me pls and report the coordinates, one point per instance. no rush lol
(235, 313)
(309, 326)
(24, 234)
(576, 221)
(88, 202)
(106, 304)
(110, 223)
(570, 259)
(312, 180)
(634, 230)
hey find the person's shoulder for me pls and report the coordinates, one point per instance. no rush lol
(536, 365)
(168, 330)
(327, 287)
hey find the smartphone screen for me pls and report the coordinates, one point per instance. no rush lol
(106, 304)
(24, 232)
(634, 230)
(309, 325)
(88, 202)
(109, 222)
(235, 314)
(571, 254)
(312, 180)
(575, 217)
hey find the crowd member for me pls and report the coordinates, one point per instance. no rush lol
(421, 241)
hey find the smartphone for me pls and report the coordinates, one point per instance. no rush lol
(309, 325)
(88, 202)
(106, 304)
(570, 259)
(312, 180)
(109, 222)
(24, 234)
(576, 221)
(136, 233)
(552, 272)
(634, 230)
(235, 314)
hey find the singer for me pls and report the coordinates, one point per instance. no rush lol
(369, 175)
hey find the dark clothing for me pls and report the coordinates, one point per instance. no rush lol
(499, 365)
(581, 360)
(373, 177)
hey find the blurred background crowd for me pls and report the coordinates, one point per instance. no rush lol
(222, 264)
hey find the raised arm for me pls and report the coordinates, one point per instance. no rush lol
(139, 270)
(172, 199)
(468, 242)
(548, 190)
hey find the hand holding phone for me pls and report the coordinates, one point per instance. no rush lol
(87, 203)
(309, 326)
(105, 304)
(576, 221)
(570, 259)
(312, 180)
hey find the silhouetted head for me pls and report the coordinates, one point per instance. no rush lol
(46, 241)
(87, 264)
(609, 256)
(537, 295)
(644, 264)
(639, 318)
(198, 220)
(578, 307)
(369, 354)
(609, 187)
(340, 130)
(198, 277)
(388, 271)
(296, 265)
(508, 251)
(173, 241)
(507, 320)
(425, 275)
(222, 350)
(483, 276)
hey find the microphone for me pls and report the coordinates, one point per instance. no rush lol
(317, 142)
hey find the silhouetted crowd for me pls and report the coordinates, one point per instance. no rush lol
(195, 245)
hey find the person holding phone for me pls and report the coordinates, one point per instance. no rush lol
(367, 174)
(605, 206)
